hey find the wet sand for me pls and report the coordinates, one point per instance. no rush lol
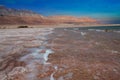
(59, 54)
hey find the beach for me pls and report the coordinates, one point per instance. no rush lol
(60, 53)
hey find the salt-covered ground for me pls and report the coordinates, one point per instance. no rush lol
(24, 50)
(59, 54)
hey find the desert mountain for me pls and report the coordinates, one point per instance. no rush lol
(17, 16)
(72, 19)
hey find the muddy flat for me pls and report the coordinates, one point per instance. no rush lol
(60, 54)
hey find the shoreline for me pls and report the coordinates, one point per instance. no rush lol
(53, 26)
(59, 54)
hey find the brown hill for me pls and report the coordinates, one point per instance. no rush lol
(72, 19)
(16, 16)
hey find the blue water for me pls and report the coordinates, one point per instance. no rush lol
(99, 27)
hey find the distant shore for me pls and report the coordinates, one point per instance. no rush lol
(52, 26)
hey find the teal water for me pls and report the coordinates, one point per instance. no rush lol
(99, 27)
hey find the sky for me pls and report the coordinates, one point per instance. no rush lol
(107, 10)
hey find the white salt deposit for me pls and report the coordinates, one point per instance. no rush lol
(114, 51)
(83, 33)
(98, 30)
(65, 29)
(52, 75)
(91, 29)
(37, 55)
(117, 31)
(48, 51)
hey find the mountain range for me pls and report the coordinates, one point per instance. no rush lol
(18, 16)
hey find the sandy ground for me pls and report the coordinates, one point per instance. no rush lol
(59, 54)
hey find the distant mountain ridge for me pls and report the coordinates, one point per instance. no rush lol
(15, 12)
(70, 19)
(17, 16)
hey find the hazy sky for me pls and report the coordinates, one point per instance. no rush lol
(101, 9)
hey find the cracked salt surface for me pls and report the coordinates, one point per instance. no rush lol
(67, 76)
(51, 77)
(37, 55)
